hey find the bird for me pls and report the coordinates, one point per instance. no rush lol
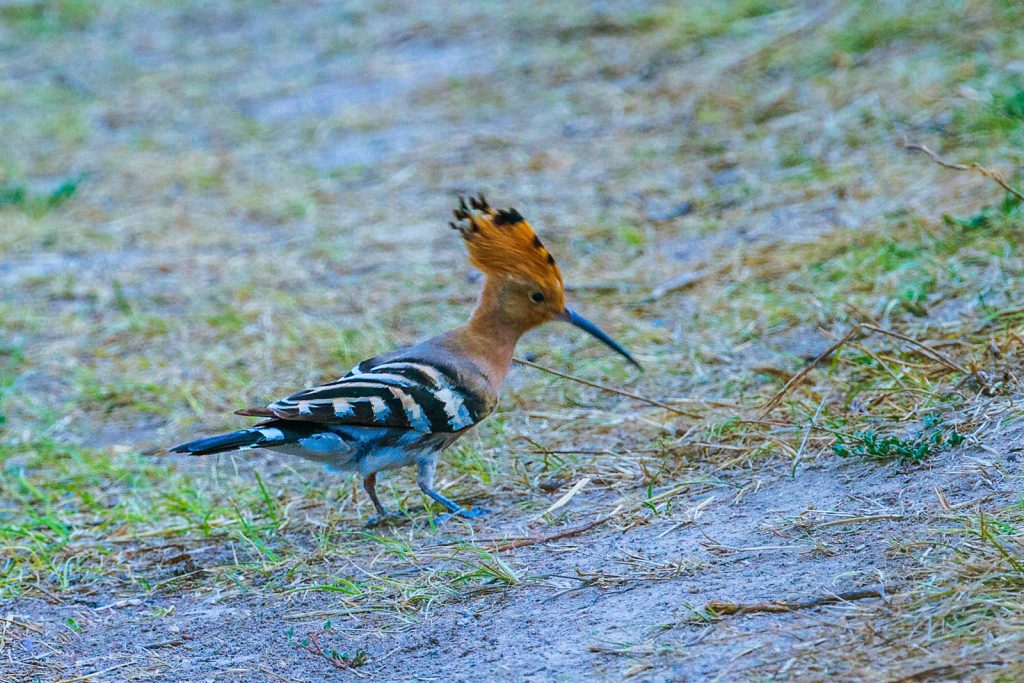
(404, 407)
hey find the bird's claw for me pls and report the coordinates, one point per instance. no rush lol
(389, 519)
(471, 513)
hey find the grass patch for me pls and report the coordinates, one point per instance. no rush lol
(908, 268)
(873, 26)
(44, 18)
(1007, 211)
(1000, 120)
(12, 359)
(35, 204)
(965, 610)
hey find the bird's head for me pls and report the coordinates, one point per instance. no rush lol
(523, 278)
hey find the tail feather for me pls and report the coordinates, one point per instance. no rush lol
(246, 438)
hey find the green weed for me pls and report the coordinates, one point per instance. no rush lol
(933, 437)
(339, 660)
(34, 204)
(1008, 209)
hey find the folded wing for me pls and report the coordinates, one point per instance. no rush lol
(402, 394)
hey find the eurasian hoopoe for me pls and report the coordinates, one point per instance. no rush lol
(406, 406)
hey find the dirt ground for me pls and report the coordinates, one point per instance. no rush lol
(591, 602)
(256, 196)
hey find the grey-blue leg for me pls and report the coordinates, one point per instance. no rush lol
(425, 478)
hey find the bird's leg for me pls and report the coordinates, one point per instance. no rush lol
(425, 478)
(370, 484)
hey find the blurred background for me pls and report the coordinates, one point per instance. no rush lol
(205, 206)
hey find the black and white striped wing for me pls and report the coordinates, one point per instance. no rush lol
(407, 394)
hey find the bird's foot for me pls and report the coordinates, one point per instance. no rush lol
(388, 519)
(471, 513)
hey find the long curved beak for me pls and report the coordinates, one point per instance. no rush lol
(573, 318)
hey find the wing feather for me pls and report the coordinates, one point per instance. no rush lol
(397, 394)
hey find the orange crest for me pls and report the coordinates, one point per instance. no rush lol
(502, 244)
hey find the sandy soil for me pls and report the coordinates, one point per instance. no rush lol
(591, 604)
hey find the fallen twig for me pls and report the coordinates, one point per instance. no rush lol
(865, 518)
(978, 168)
(796, 379)
(684, 281)
(723, 608)
(9, 619)
(807, 435)
(564, 500)
(568, 533)
(943, 670)
(602, 387)
(96, 674)
(173, 642)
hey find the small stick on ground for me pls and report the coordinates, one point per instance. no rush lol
(568, 533)
(987, 172)
(865, 518)
(9, 619)
(807, 435)
(796, 379)
(944, 669)
(723, 608)
(602, 387)
(677, 283)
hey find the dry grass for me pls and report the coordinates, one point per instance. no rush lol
(174, 248)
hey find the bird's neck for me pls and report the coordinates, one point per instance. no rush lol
(489, 336)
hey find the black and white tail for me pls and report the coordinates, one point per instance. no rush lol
(257, 437)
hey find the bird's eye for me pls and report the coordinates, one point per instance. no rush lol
(537, 297)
